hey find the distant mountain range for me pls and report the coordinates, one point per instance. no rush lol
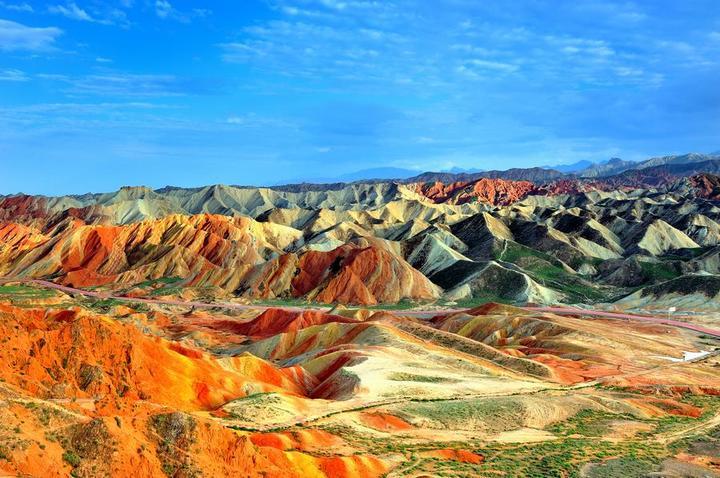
(539, 175)
(579, 169)
(571, 168)
(382, 173)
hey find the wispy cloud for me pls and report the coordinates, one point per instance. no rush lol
(71, 10)
(619, 12)
(18, 37)
(476, 68)
(101, 13)
(121, 84)
(239, 120)
(331, 47)
(166, 11)
(163, 8)
(117, 84)
(253, 120)
(17, 7)
(13, 75)
(201, 12)
(581, 46)
(38, 110)
(389, 45)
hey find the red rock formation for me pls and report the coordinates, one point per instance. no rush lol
(210, 250)
(17, 208)
(492, 191)
(51, 359)
(706, 186)
(304, 440)
(570, 186)
(463, 456)
(359, 275)
(384, 421)
(278, 321)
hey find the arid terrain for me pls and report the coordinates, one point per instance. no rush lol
(519, 323)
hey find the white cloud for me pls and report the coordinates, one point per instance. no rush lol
(71, 10)
(424, 140)
(53, 77)
(350, 4)
(163, 8)
(380, 44)
(493, 65)
(17, 7)
(628, 71)
(42, 109)
(471, 49)
(238, 52)
(252, 120)
(627, 12)
(120, 84)
(103, 60)
(201, 12)
(97, 12)
(17, 37)
(13, 75)
(587, 47)
(334, 4)
(475, 68)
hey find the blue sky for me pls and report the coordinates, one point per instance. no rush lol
(97, 94)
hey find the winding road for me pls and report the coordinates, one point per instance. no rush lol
(413, 312)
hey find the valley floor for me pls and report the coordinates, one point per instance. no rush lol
(93, 384)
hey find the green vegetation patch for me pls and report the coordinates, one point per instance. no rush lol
(576, 288)
(71, 459)
(166, 291)
(548, 271)
(160, 281)
(43, 413)
(288, 302)
(658, 271)
(687, 253)
(175, 434)
(566, 458)
(404, 304)
(25, 292)
(106, 305)
(161, 286)
(513, 252)
(581, 448)
(626, 467)
(480, 298)
(411, 377)
(589, 423)
(488, 414)
(705, 444)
